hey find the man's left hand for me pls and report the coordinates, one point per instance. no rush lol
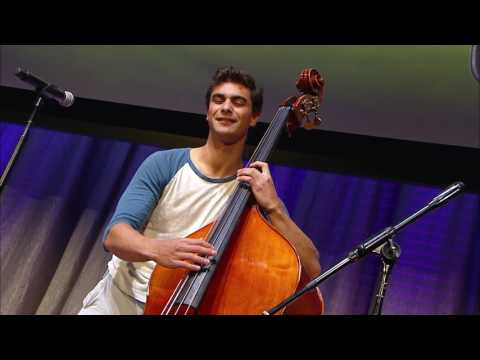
(261, 182)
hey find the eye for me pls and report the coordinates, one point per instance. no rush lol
(218, 99)
(239, 101)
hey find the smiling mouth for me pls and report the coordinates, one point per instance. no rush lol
(228, 120)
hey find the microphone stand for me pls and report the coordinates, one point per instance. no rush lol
(13, 157)
(371, 244)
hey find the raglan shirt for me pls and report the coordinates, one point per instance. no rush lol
(168, 198)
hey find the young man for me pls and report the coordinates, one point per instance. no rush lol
(176, 192)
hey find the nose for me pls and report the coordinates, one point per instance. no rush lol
(226, 106)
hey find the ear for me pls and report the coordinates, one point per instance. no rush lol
(254, 119)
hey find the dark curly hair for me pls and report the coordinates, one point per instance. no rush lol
(230, 74)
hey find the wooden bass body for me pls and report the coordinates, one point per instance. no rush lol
(259, 269)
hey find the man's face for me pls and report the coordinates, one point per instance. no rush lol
(230, 112)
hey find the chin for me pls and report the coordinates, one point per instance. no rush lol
(230, 138)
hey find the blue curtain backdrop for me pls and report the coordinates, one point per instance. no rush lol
(64, 188)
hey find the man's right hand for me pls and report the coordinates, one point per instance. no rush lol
(129, 245)
(181, 253)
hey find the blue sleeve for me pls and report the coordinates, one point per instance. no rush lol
(145, 189)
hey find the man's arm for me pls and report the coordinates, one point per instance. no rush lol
(307, 252)
(260, 180)
(129, 245)
(123, 237)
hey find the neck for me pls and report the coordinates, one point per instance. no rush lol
(217, 160)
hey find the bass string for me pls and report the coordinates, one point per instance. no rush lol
(185, 297)
(265, 145)
(222, 236)
(276, 129)
(168, 306)
(222, 225)
(175, 295)
(274, 125)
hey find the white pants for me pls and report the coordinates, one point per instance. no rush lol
(107, 299)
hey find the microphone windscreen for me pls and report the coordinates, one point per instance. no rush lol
(69, 99)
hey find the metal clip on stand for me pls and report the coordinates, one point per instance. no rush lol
(389, 253)
(372, 243)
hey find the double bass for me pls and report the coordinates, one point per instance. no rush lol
(255, 267)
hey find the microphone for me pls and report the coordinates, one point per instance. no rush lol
(451, 191)
(64, 98)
